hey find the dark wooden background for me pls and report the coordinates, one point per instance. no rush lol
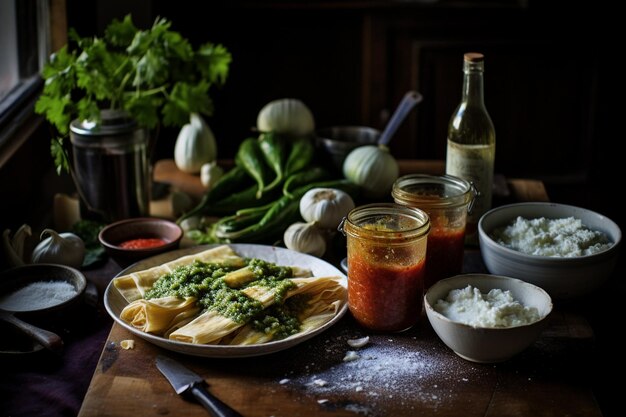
(549, 85)
(553, 87)
(552, 82)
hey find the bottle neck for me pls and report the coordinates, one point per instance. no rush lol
(473, 83)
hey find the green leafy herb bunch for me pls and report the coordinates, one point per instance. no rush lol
(155, 75)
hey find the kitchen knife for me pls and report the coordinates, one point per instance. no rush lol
(185, 381)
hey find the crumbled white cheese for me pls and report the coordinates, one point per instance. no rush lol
(566, 237)
(351, 356)
(497, 308)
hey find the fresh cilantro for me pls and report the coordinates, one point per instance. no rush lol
(156, 75)
(88, 231)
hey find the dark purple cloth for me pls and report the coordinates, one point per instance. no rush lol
(45, 384)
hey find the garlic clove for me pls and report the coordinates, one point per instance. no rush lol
(325, 206)
(210, 173)
(305, 238)
(358, 343)
(59, 248)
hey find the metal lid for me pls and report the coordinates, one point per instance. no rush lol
(393, 224)
(433, 191)
(112, 122)
(116, 131)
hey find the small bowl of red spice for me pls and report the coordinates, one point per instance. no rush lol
(130, 240)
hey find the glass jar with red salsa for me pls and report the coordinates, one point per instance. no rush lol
(447, 200)
(386, 256)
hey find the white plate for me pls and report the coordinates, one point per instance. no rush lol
(115, 303)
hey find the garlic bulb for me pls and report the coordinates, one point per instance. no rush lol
(60, 248)
(14, 247)
(305, 238)
(373, 168)
(210, 173)
(325, 206)
(287, 116)
(195, 145)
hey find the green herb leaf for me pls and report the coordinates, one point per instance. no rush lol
(184, 99)
(152, 69)
(55, 110)
(155, 75)
(213, 62)
(59, 155)
(88, 231)
(144, 109)
(121, 33)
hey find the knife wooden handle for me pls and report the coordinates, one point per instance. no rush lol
(215, 407)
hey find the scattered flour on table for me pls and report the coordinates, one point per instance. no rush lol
(383, 372)
(565, 238)
(38, 295)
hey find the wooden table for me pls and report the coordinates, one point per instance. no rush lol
(509, 190)
(406, 374)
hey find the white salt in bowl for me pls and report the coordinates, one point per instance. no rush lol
(41, 301)
(487, 344)
(562, 278)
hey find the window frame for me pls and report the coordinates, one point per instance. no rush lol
(41, 29)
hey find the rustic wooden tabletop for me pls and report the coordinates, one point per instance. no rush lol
(405, 374)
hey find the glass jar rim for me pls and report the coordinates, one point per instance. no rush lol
(433, 191)
(360, 216)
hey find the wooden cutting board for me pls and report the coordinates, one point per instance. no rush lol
(406, 374)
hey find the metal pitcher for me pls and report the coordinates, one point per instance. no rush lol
(111, 167)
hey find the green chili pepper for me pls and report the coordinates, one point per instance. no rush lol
(304, 177)
(282, 213)
(300, 155)
(273, 148)
(285, 211)
(233, 180)
(250, 157)
(237, 222)
(249, 210)
(246, 198)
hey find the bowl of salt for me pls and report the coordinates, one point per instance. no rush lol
(37, 291)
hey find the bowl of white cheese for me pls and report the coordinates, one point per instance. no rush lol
(568, 251)
(487, 318)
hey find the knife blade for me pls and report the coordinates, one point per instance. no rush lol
(183, 380)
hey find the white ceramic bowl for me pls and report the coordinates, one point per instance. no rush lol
(563, 278)
(487, 344)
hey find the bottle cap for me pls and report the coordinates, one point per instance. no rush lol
(474, 57)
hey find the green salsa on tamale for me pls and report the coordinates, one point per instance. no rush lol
(206, 282)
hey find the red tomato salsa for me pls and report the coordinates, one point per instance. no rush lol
(385, 297)
(142, 243)
(444, 254)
